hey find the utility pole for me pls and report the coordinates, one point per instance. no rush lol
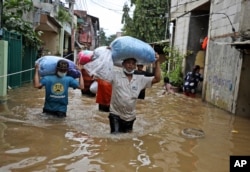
(73, 30)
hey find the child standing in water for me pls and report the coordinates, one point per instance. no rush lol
(167, 86)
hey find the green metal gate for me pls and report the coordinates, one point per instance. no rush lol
(28, 63)
(14, 58)
(21, 60)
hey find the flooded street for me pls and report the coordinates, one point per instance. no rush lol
(31, 141)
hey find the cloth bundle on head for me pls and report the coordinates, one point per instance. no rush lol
(84, 56)
(48, 65)
(101, 65)
(128, 47)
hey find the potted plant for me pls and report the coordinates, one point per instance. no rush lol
(174, 72)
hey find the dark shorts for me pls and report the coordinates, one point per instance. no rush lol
(117, 125)
(103, 108)
(58, 114)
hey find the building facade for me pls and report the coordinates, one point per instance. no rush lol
(65, 30)
(224, 63)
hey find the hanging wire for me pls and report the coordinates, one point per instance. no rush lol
(16, 73)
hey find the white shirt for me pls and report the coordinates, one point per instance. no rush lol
(125, 93)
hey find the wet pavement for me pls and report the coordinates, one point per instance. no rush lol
(31, 141)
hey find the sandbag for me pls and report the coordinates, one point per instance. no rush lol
(85, 56)
(47, 66)
(101, 65)
(126, 47)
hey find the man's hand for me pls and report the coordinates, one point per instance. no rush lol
(37, 66)
(157, 57)
(79, 66)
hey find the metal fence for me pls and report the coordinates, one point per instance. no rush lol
(20, 60)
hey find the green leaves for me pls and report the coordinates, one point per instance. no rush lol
(63, 15)
(175, 58)
(148, 22)
(19, 7)
(13, 21)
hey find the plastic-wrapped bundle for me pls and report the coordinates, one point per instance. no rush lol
(102, 64)
(93, 87)
(47, 66)
(127, 47)
(85, 56)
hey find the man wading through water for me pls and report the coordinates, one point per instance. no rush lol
(56, 88)
(126, 87)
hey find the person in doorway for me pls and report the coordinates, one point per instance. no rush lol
(56, 88)
(140, 71)
(125, 90)
(191, 81)
(103, 95)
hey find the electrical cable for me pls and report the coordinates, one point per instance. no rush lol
(233, 29)
(114, 10)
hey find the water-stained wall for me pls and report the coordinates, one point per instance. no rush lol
(226, 71)
(222, 74)
(223, 61)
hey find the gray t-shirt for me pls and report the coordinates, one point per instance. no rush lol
(125, 93)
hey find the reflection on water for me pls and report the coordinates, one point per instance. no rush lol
(31, 141)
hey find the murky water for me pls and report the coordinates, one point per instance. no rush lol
(30, 141)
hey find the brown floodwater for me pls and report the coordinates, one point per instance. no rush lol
(31, 141)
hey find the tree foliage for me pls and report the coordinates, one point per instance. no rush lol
(110, 39)
(102, 38)
(149, 19)
(63, 15)
(105, 40)
(13, 21)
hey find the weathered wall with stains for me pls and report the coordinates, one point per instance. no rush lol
(181, 38)
(223, 62)
(180, 7)
(222, 77)
(197, 32)
(227, 78)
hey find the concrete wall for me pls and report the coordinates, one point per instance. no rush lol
(223, 62)
(243, 103)
(222, 71)
(227, 78)
(188, 29)
(3, 70)
(180, 7)
(181, 30)
(181, 36)
(197, 32)
(51, 43)
(244, 20)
